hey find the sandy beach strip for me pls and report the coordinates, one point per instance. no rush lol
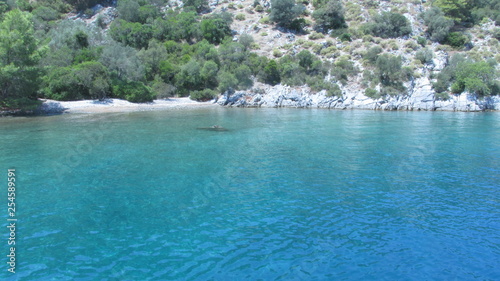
(118, 105)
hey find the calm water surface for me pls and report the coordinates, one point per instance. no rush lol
(285, 194)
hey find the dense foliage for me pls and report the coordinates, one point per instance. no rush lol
(285, 12)
(19, 56)
(388, 25)
(463, 74)
(330, 15)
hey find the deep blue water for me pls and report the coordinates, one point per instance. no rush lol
(285, 194)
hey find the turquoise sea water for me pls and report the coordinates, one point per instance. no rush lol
(285, 194)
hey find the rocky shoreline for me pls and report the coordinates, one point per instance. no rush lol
(420, 97)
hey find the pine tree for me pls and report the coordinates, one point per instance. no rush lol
(19, 56)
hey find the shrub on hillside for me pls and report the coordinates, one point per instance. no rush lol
(133, 91)
(330, 16)
(283, 12)
(388, 25)
(203, 95)
(372, 54)
(438, 26)
(271, 74)
(198, 5)
(475, 77)
(214, 30)
(424, 55)
(456, 39)
(372, 93)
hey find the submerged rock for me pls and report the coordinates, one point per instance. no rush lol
(215, 128)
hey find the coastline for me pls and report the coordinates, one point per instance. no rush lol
(420, 97)
(118, 105)
(283, 96)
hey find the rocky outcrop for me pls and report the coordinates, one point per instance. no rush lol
(50, 107)
(420, 97)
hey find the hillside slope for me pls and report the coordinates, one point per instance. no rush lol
(391, 55)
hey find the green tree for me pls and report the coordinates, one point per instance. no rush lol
(271, 73)
(372, 54)
(227, 81)
(209, 74)
(389, 68)
(88, 80)
(477, 77)
(214, 30)
(456, 39)
(438, 26)
(122, 62)
(243, 75)
(128, 10)
(284, 12)
(330, 16)
(388, 25)
(424, 55)
(198, 5)
(133, 91)
(19, 56)
(152, 58)
(133, 34)
(457, 10)
(189, 78)
(246, 40)
(305, 59)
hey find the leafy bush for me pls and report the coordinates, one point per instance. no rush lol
(305, 59)
(203, 95)
(283, 12)
(227, 81)
(372, 54)
(333, 90)
(330, 16)
(88, 80)
(317, 84)
(316, 35)
(161, 89)
(344, 68)
(133, 91)
(438, 26)
(442, 96)
(392, 90)
(240, 17)
(457, 10)
(456, 39)
(389, 69)
(128, 10)
(133, 34)
(424, 55)
(447, 75)
(243, 75)
(372, 93)
(214, 30)
(198, 5)
(345, 37)
(475, 77)
(122, 62)
(297, 25)
(421, 41)
(271, 74)
(246, 40)
(388, 25)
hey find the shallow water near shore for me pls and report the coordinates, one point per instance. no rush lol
(283, 194)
